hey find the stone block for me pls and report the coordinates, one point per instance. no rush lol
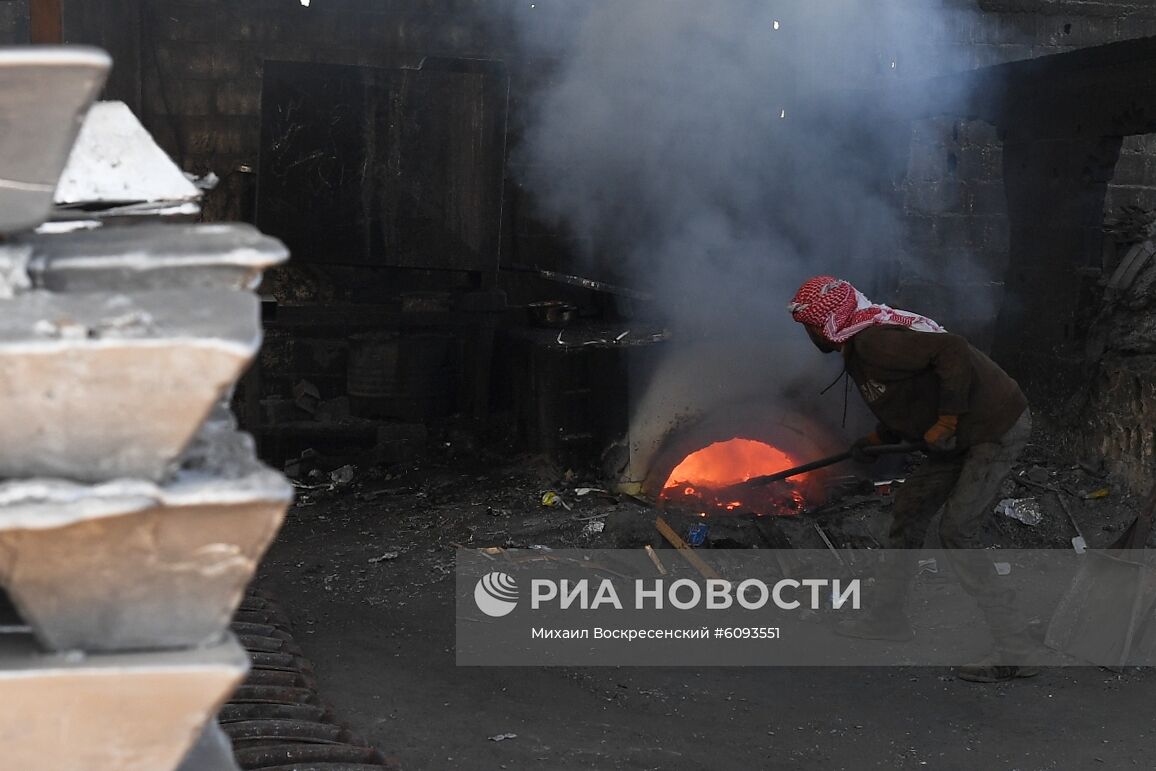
(123, 712)
(935, 197)
(44, 93)
(149, 257)
(131, 565)
(985, 199)
(100, 386)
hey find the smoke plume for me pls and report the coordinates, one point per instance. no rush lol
(718, 154)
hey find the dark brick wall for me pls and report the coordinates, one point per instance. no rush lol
(202, 64)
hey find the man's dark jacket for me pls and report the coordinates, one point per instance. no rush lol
(910, 378)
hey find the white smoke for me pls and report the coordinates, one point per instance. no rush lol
(719, 153)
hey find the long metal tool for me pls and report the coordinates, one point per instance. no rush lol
(1078, 543)
(876, 450)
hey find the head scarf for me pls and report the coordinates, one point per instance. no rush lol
(840, 311)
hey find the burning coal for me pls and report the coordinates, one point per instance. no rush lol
(705, 480)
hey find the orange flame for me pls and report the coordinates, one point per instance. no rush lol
(703, 478)
(726, 463)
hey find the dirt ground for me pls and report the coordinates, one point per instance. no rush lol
(365, 570)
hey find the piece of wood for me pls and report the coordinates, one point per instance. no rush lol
(46, 22)
(650, 552)
(673, 538)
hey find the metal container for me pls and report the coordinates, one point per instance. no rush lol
(401, 375)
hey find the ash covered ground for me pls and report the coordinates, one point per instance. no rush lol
(365, 568)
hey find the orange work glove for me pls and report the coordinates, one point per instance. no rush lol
(941, 436)
(871, 440)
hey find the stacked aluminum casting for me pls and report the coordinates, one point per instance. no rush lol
(132, 512)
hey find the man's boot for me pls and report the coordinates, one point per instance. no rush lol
(990, 670)
(885, 617)
(1015, 648)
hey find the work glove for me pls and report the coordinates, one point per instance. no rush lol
(871, 440)
(941, 436)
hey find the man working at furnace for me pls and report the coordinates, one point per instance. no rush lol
(925, 384)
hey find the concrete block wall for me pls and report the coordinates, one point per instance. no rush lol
(955, 199)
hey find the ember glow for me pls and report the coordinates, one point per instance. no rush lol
(703, 481)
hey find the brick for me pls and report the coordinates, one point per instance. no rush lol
(238, 97)
(936, 131)
(1080, 31)
(935, 197)
(929, 163)
(963, 232)
(920, 232)
(986, 198)
(178, 97)
(999, 29)
(202, 61)
(215, 136)
(997, 233)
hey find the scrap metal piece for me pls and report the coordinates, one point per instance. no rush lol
(116, 160)
(153, 256)
(92, 382)
(44, 95)
(121, 712)
(129, 564)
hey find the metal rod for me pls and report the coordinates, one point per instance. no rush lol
(882, 449)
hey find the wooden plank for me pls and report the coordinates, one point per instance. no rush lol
(705, 570)
(46, 22)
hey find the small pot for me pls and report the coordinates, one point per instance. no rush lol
(552, 313)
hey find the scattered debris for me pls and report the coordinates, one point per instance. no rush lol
(1078, 543)
(583, 491)
(696, 534)
(503, 737)
(886, 488)
(823, 534)
(1003, 568)
(1026, 510)
(595, 527)
(1038, 474)
(389, 555)
(306, 396)
(343, 475)
(1096, 495)
(552, 500)
(650, 552)
(705, 570)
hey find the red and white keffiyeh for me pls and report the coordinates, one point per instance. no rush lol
(840, 311)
